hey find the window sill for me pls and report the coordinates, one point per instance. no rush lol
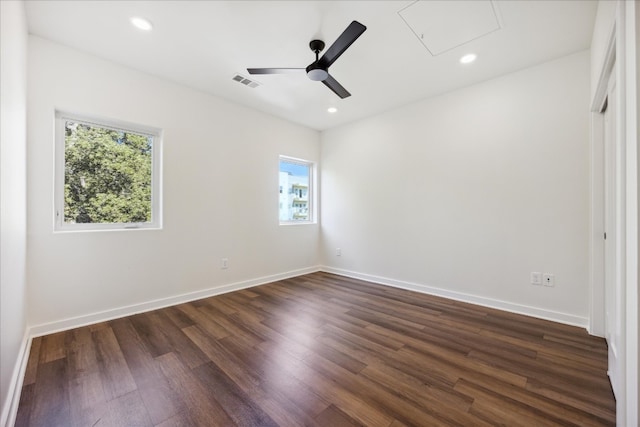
(64, 230)
(289, 223)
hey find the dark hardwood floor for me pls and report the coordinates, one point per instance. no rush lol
(319, 350)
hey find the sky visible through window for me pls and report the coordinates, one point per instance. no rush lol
(294, 169)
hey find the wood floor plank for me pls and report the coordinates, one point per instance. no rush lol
(536, 408)
(32, 363)
(82, 358)
(199, 318)
(235, 303)
(139, 360)
(179, 318)
(160, 399)
(89, 400)
(276, 382)
(27, 398)
(319, 350)
(180, 344)
(508, 413)
(415, 390)
(365, 332)
(379, 323)
(583, 399)
(446, 359)
(542, 404)
(126, 411)
(349, 402)
(51, 405)
(273, 402)
(146, 325)
(238, 404)
(597, 362)
(389, 397)
(333, 416)
(534, 369)
(422, 372)
(232, 328)
(183, 419)
(116, 377)
(202, 408)
(53, 347)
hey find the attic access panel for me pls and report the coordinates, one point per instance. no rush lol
(442, 25)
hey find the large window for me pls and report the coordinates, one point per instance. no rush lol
(107, 175)
(296, 191)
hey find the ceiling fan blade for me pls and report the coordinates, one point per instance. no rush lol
(348, 36)
(274, 70)
(333, 84)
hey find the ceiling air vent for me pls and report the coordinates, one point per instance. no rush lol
(245, 81)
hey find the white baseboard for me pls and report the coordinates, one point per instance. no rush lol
(102, 316)
(10, 404)
(540, 313)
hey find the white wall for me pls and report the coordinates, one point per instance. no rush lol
(220, 192)
(469, 192)
(13, 194)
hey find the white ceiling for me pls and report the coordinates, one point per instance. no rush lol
(203, 44)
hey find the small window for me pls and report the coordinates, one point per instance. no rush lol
(296, 202)
(107, 175)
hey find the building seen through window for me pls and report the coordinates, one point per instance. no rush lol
(295, 190)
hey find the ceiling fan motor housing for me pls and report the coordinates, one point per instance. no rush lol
(316, 72)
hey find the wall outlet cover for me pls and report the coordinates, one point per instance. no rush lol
(536, 278)
(549, 279)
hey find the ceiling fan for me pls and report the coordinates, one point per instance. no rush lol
(319, 69)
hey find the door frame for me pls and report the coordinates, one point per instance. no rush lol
(621, 50)
(614, 239)
(597, 218)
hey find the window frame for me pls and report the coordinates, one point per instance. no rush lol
(60, 225)
(312, 193)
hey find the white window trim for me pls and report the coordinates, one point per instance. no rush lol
(312, 190)
(156, 173)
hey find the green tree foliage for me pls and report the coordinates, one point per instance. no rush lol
(107, 177)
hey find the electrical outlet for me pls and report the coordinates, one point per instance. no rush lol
(338, 252)
(549, 279)
(224, 263)
(536, 278)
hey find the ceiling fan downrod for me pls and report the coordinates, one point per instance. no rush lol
(316, 72)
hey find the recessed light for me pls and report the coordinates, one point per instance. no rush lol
(467, 59)
(332, 110)
(141, 23)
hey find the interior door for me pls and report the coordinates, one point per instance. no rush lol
(613, 282)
